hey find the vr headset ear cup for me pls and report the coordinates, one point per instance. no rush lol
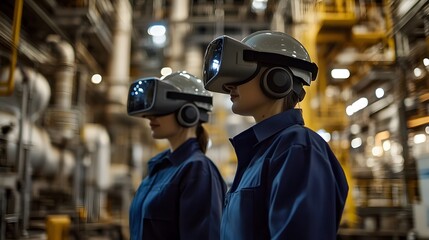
(188, 115)
(277, 82)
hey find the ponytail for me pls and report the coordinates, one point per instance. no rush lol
(290, 101)
(202, 137)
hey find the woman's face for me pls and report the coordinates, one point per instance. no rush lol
(164, 127)
(249, 100)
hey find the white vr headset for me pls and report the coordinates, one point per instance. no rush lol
(229, 61)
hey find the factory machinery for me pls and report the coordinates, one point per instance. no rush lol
(71, 158)
(54, 167)
(57, 180)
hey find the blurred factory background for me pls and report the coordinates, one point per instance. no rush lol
(71, 159)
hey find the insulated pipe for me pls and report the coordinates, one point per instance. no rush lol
(40, 93)
(119, 66)
(97, 143)
(179, 30)
(194, 61)
(65, 60)
(63, 121)
(179, 10)
(45, 159)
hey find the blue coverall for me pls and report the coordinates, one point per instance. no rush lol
(181, 198)
(288, 184)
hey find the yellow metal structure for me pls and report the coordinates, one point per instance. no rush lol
(58, 227)
(6, 88)
(330, 28)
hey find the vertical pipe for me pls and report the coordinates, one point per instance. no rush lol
(22, 160)
(64, 75)
(402, 51)
(119, 66)
(194, 60)
(64, 120)
(278, 21)
(179, 29)
(2, 213)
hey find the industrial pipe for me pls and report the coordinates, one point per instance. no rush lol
(63, 120)
(97, 145)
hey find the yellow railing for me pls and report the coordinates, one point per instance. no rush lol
(6, 88)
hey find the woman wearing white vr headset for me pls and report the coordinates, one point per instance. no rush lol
(182, 196)
(288, 184)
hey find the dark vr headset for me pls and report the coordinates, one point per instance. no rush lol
(151, 97)
(228, 61)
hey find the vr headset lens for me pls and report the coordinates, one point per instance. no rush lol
(141, 96)
(212, 60)
(224, 64)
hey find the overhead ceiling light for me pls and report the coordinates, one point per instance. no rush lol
(386, 145)
(379, 92)
(340, 73)
(418, 72)
(259, 5)
(426, 62)
(419, 138)
(157, 30)
(159, 40)
(324, 134)
(355, 128)
(96, 78)
(166, 71)
(356, 106)
(356, 142)
(377, 151)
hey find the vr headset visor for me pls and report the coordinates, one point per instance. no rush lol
(151, 96)
(228, 61)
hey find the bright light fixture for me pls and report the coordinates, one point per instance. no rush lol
(379, 92)
(356, 142)
(358, 105)
(259, 5)
(417, 72)
(340, 73)
(419, 138)
(324, 134)
(157, 30)
(166, 71)
(377, 151)
(96, 78)
(159, 40)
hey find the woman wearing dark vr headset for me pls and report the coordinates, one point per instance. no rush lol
(288, 184)
(182, 196)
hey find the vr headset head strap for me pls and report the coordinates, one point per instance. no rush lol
(277, 59)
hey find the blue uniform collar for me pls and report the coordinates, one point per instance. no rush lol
(276, 123)
(246, 142)
(268, 127)
(177, 157)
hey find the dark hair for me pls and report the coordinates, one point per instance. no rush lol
(202, 137)
(290, 101)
